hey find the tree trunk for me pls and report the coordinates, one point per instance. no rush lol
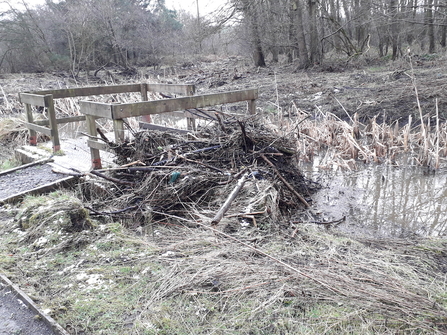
(251, 15)
(335, 18)
(443, 28)
(301, 37)
(431, 28)
(292, 35)
(315, 55)
(348, 17)
(411, 17)
(394, 28)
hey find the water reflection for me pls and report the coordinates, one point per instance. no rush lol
(384, 201)
(72, 130)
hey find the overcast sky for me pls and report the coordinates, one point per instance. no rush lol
(205, 6)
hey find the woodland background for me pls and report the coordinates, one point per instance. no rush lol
(88, 35)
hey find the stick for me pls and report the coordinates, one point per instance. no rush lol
(73, 174)
(95, 212)
(122, 167)
(244, 214)
(115, 180)
(222, 126)
(103, 137)
(229, 200)
(187, 153)
(321, 222)
(151, 168)
(290, 187)
(203, 164)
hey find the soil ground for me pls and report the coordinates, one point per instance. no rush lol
(98, 277)
(370, 88)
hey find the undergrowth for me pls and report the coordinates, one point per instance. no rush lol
(106, 279)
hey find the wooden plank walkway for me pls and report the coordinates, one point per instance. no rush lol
(37, 177)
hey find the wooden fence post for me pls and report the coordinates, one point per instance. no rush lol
(91, 129)
(252, 107)
(30, 119)
(144, 97)
(190, 121)
(49, 104)
(143, 92)
(118, 129)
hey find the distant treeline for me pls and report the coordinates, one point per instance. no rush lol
(75, 35)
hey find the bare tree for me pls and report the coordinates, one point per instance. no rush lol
(431, 27)
(394, 28)
(300, 34)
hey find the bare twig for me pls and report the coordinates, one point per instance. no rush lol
(115, 180)
(95, 212)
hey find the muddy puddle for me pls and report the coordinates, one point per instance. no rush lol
(382, 201)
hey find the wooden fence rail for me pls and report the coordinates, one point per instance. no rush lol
(46, 99)
(118, 112)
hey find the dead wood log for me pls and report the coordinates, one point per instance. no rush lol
(334, 222)
(219, 215)
(151, 168)
(290, 187)
(185, 154)
(67, 173)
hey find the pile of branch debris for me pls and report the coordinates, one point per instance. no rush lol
(238, 171)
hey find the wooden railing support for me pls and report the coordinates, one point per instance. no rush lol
(252, 107)
(30, 119)
(118, 112)
(94, 152)
(49, 104)
(190, 121)
(118, 129)
(144, 97)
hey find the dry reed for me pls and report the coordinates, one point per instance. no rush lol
(349, 142)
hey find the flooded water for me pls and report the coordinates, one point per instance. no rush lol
(72, 130)
(383, 201)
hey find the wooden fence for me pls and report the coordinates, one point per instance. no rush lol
(46, 99)
(118, 112)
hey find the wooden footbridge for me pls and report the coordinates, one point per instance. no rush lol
(118, 112)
